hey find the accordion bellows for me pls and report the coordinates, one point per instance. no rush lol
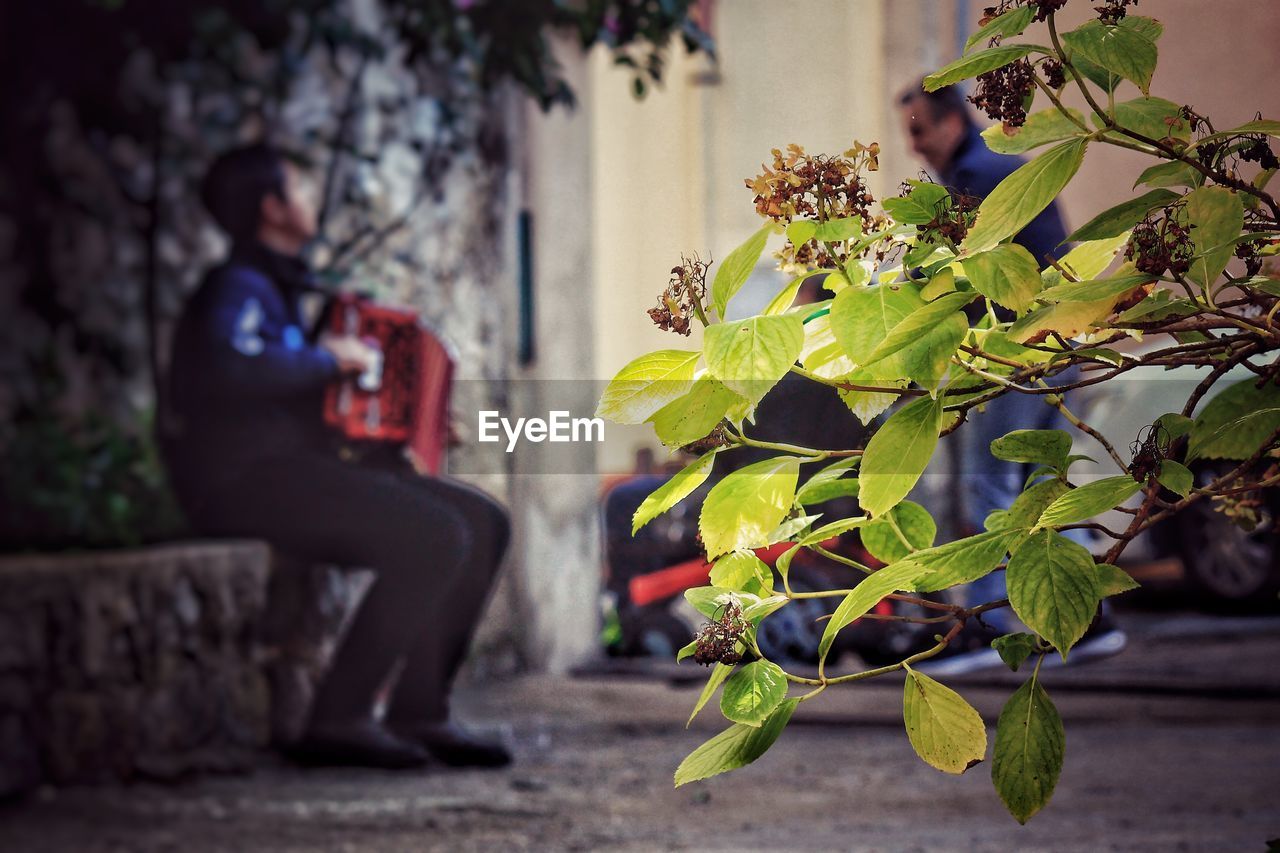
(405, 398)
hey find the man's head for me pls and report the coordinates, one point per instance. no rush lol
(936, 122)
(256, 193)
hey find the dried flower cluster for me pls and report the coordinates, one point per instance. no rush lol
(1003, 94)
(1113, 11)
(817, 187)
(718, 639)
(684, 295)
(1148, 451)
(1160, 243)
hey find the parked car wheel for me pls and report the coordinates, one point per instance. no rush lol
(1225, 565)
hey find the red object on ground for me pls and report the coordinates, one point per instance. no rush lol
(406, 400)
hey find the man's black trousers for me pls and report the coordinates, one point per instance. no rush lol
(434, 543)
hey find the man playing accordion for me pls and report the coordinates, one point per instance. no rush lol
(250, 457)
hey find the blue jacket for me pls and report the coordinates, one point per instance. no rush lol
(976, 170)
(246, 381)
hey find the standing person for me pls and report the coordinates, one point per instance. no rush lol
(249, 457)
(943, 133)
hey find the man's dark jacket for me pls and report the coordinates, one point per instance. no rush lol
(246, 382)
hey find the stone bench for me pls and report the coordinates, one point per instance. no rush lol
(157, 662)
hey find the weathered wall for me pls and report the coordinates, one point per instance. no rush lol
(420, 210)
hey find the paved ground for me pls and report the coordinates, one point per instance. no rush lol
(1175, 745)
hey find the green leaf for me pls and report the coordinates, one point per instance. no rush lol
(1117, 220)
(753, 693)
(830, 474)
(801, 231)
(789, 529)
(1174, 173)
(916, 525)
(828, 491)
(1113, 580)
(865, 596)
(1235, 423)
(739, 569)
(783, 301)
(711, 600)
(869, 405)
(686, 650)
(1021, 196)
(783, 564)
(1087, 260)
(963, 560)
(737, 268)
(1216, 217)
(943, 728)
(1083, 503)
(1066, 318)
(1100, 289)
(756, 611)
(1027, 507)
(747, 504)
(927, 361)
(694, 415)
(1156, 118)
(1177, 425)
(1010, 23)
(1029, 747)
(973, 64)
(862, 317)
(1007, 275)
(1014, 648)
(1034, 447)
(1054, 588)
(1263, 125)
(897, 454)
(673, 491)
(834, 528)
(1120, 50)
(737, 746)
(920, 206)
(750, 356)
(836, 230)
(1041, 128)
(910, 329)
(1176, 477)
(646, 385)
(718, 674)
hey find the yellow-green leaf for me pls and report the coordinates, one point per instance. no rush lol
(747, 504)
(673, 491)
(943, 728)
(1021, 196)
(646, 385)
(750, 356)
(736, 269)
(897, 454)
(737, 746)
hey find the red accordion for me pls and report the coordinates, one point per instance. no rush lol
(404, 399)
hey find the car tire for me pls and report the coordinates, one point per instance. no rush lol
(1227, 567)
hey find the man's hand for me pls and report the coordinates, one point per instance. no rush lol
(354, 355)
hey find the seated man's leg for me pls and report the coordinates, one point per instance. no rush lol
(420, 703)
(327, 510)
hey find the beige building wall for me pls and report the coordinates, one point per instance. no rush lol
(668, 170)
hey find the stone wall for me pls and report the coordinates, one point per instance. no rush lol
(130, 664)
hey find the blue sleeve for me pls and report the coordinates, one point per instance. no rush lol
(243, 357)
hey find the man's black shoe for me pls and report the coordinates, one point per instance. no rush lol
(362, 744)
(456, 746)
